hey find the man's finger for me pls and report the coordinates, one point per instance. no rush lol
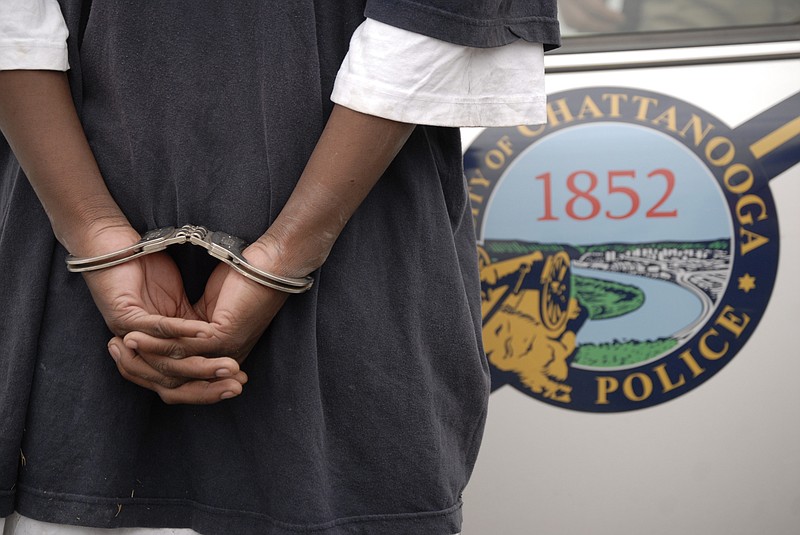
(170, 389)
(179, 347)
(166, 327)
(135, 369)
(201, 392)
(195, 367)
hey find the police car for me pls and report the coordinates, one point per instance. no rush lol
(639, 259)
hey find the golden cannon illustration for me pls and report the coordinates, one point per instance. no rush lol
(526, 308)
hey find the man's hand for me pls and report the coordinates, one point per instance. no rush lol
(136, 295)
(147, 295)
(235, 312)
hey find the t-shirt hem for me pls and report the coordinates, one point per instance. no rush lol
(102, 512)
(7, 502)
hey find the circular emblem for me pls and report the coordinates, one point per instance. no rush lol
(627, 249)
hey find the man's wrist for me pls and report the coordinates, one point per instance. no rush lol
(277, 254)
(100, 236)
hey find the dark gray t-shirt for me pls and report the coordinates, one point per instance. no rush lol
(367, 395)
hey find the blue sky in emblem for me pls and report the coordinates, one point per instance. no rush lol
(518, 202)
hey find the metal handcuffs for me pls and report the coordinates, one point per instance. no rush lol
(220, 245)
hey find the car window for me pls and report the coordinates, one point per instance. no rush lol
(638, 20)
(612, 16)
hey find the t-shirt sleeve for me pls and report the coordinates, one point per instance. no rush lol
(33, 35)
(475, 23)
(408, 77)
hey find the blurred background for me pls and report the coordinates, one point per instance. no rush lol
(646, 370)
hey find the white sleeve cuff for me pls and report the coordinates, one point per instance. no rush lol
(36, 55)
(411, 78)
(33, 35)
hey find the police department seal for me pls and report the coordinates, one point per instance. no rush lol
(628, 248)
